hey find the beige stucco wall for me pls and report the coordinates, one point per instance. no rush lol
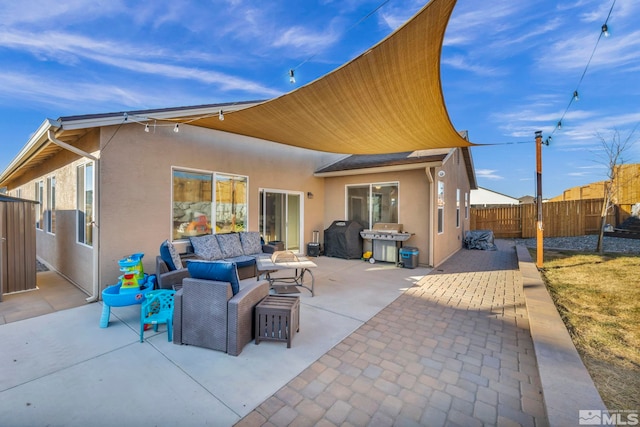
(136, 183)
(451, 240)
(413, 202)
(60, 250)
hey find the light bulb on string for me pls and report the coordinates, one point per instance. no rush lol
(177, 128)
(605, 30)
(575, 95)
(221, 116)
(146, 128)
(559, 125)
(292, 77)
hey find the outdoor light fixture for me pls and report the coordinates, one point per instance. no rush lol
(292, 78)
(176, 129)
(146, 128)
(605, 30)
(560, 124)
(575, 95)
(221, 116)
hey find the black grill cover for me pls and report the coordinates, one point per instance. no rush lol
(342, 240)
(480, 239)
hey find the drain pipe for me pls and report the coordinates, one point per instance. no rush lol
(95, 292)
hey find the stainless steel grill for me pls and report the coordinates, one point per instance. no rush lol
(386, 240)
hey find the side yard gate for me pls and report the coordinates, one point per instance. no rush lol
(17, 245)
(560, 219)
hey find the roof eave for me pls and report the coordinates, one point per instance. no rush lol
(379, 169)
(151, 115)
(37, 142)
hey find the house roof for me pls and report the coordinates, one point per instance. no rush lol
(484, 196)
(409, 160)
(387, 100)
(69, 129)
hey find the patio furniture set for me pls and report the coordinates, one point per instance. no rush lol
(220, 292)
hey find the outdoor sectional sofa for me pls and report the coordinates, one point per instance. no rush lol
(240, 248)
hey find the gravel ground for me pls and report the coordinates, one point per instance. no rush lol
(586, 243)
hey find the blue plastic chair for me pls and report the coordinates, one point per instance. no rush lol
(157, 309)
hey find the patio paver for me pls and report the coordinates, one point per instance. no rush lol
(454, 350)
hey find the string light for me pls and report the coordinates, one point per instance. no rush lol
(176, 129)
(292, 77)
(604, 32)
(146, 128)
(221, 116)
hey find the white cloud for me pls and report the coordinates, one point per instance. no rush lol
(488, 174)
(304, 38)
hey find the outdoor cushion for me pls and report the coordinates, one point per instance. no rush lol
(206, 247)
(251, 242)
(170, 255)
(242, 260)
(215, 270)
(230, 245)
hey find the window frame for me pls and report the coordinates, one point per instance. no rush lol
(51, 205)
(441, 204)
(458, 219)
(85, 191)
(370, 220)
(39, 190)
(179, 228)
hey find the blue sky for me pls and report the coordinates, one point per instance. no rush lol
(509, 68)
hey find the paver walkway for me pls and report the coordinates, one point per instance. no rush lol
(454, 350)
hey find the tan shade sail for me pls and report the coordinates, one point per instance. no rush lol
(389, 99)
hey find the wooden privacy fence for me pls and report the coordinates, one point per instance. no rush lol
(560, 219)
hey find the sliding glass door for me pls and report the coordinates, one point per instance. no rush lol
(281, 214)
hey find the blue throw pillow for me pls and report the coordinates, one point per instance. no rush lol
(215, 270)
(170, 256)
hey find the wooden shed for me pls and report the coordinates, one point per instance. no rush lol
(17, 245)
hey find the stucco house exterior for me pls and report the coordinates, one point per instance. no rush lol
(109, 185)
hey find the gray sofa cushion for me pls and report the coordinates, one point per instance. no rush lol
(230, 245)
(251, 243)
(206, 247)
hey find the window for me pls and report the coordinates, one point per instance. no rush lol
(84, 208)
(458, 208)
(231, 203)
(440, 207)
(192, 200)
(40, 199)
(372, 203)
(194, 213)
(51, 204)
(466, 205)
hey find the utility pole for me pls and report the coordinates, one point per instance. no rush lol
(539, 224)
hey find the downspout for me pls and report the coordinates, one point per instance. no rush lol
(96, 229)
(432, 192)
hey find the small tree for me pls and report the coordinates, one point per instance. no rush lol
(614, 151)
